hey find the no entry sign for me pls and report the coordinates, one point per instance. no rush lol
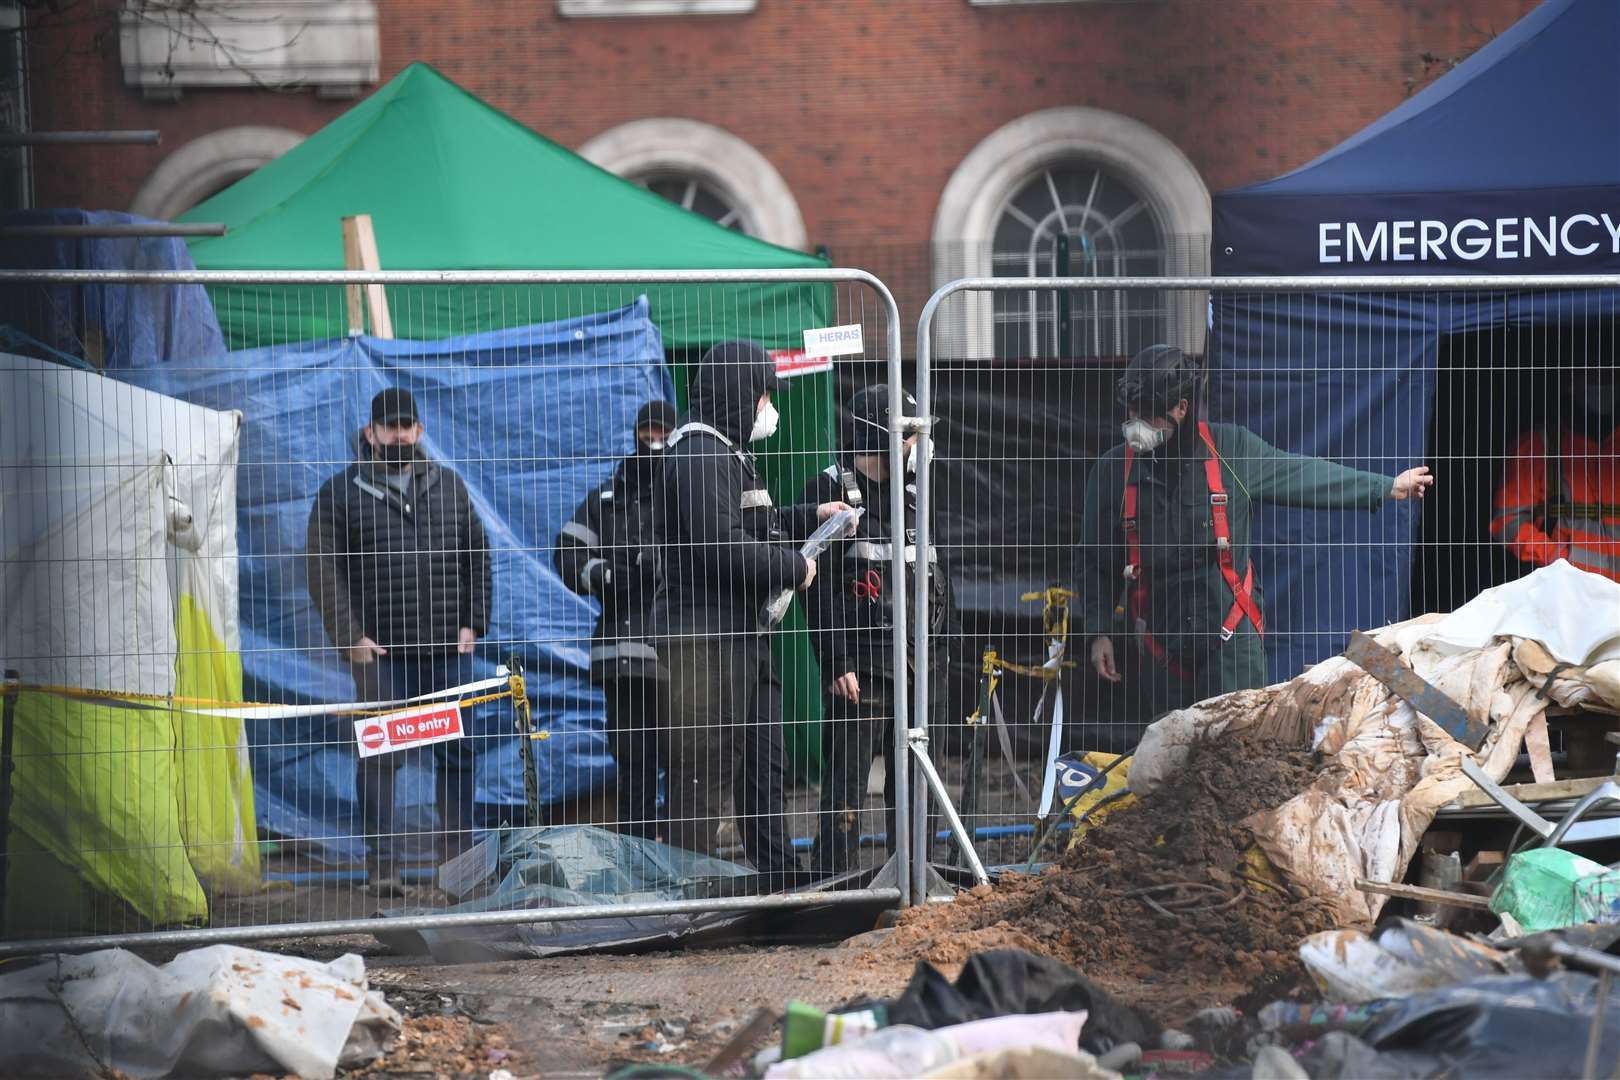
(423, 726)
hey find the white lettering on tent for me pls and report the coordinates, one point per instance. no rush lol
(1434, 235)
(1614, 233)
(1363, 249)
(1547, 240)
(1478, 246)
(1324, 241)
(1401, 239)
(1563, 235)
(1504, 241)
(1434, 240)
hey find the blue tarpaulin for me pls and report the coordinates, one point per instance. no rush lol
(115, 326)
(533, 419)
(1509, 163)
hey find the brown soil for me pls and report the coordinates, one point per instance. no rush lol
(1219, 938)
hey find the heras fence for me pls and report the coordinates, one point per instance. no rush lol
(314, 631)
(1097, 587)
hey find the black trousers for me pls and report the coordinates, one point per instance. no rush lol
(851, 735)
(636, 707)
(407, 672)
(725, 730)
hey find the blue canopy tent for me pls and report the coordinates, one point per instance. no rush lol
(533, 418)
(1508, 164)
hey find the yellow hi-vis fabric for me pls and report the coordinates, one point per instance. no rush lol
(1099, 801)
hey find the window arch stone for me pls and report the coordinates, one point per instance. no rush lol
(207, 163)
(741, 174)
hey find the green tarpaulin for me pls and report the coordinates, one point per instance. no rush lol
(452, 183)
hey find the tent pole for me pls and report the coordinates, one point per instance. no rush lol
(138, 229)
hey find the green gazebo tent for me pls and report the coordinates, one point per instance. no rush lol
(452, 183)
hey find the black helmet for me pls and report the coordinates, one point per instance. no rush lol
(867, 430)
(1158, 378)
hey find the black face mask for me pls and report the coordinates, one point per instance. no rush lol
(394, 453)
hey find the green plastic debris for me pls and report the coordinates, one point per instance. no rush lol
(1541, 888)
(807, 1029)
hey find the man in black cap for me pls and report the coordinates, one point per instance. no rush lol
(399, 570)
(609, 550)
(850, 611)
(726, 555)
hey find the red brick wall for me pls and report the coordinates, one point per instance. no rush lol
(865, 106)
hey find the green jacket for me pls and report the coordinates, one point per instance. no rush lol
(1187, 596)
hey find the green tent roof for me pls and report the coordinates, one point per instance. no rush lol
(452, 183)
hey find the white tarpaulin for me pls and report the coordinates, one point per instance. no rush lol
(118, 565)
(222, 1010)
(1385, 770)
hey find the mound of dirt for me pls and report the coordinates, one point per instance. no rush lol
(1159, 896)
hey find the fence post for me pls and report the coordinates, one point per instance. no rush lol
(8, 715)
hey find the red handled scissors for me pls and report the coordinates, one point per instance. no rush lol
(869, 586)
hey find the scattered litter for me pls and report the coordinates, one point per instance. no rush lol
(221, 1009)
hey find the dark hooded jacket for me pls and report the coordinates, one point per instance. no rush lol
(402, 568)
(726, 549)
(609, 550)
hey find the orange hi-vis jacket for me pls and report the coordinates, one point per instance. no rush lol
(1562, 501)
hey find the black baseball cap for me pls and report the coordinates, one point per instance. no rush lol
(657, 412)
(393, 406)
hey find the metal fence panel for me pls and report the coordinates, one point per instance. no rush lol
(1502, 387)
(277, 671)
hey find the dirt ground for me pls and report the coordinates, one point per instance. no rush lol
(583, 1016)
(1159, 903)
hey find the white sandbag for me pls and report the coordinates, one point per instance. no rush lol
(219, 1010)
(898, 1052)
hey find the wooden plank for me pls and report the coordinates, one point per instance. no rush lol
(365, 254)
(354, 294)
(1529, 793)
(1417, 892)
(1536, 744)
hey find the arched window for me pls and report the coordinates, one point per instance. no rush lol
(207, 165)
(705, 169)
(1109, 194)
(696, 194)
(1077, 218)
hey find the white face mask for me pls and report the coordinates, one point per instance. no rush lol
(1143, 436)
(911, 455)
(764, 423)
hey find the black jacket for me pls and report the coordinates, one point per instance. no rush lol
(725, 545)
(850, 606)
(609, 550)
(400, 568)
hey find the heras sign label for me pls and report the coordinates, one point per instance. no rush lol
(834, 341)
(385, 734)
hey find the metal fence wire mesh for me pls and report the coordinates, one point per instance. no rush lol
(373, 608)
(1092, 597)
(464, 616)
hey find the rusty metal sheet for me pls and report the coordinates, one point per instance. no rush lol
(1411, 688)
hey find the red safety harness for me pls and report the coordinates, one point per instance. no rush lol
(1243, 602)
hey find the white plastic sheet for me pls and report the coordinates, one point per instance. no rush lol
(1386, 771)
(220, 1010)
